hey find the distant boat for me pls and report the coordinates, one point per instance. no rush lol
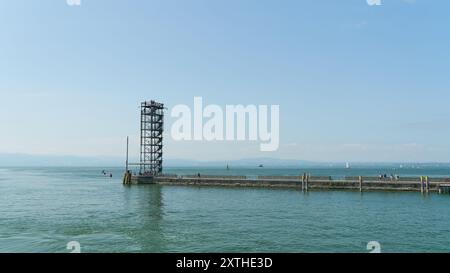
(261, 166)
(228, 167)
(347, 165)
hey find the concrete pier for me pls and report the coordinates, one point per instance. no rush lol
(301, 182)
(444, 188)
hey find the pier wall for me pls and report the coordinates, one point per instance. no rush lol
(323, 183)
(296, 182)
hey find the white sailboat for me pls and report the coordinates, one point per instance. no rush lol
(347, 165)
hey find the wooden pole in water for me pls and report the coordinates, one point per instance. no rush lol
(307, 181)
(421, 184)
(360, 183)
(303, 182)
(427, 183)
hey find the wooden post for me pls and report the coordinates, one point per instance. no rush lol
(360, 183)
(127, 178)
(427, 184)
(421, 184)
(303, 182)
(307, 181)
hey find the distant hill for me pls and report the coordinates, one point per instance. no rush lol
(250, 162)
(11, 160)
(63, 160)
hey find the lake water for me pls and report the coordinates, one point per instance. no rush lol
(42, 209)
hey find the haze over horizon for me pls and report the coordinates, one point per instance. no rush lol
(24, 160)
(354, 82)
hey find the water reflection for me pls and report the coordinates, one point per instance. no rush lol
(147, 203)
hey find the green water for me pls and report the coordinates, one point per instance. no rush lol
(42, 209)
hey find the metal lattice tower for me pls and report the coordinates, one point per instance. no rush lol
(152, 126)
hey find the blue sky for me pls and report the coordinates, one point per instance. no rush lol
(354, 82)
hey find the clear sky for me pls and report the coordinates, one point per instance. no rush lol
(354, 82)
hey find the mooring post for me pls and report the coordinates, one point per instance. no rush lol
(307, 181)
(421, 184)
(127, 178)
(303, 182)
(427, 184)
(360, 183)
